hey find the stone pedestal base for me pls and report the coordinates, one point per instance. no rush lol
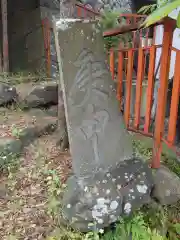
(100, 200)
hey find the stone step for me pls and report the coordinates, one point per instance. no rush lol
(34, 95)
(8, 94)
(18, 129)
(29, 95)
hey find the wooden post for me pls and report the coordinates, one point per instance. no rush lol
(128, 87)
(169, 26)
(140, 76)
(150, 88)
(5, 35)
(111, 62)
(120, 75)
(174, 102)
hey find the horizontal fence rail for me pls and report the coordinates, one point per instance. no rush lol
(85, 12)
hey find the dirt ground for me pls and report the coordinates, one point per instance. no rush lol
(28, 196)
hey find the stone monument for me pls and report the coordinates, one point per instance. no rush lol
(108, 181)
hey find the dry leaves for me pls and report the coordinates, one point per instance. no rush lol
(23, 200)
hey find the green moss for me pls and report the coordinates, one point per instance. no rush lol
(108, 21)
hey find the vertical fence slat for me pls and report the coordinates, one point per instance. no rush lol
(140, 75)
(134, 39)
(162, 92)
(140, 37)
(128, 86)
(85, 13)
(174, 102)
(79, 12)
(128, 19)
(150, 88)
(111, 62)
(120, 75)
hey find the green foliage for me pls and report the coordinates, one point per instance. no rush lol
(92, 236)
(172, 164)
(177, 228)
(137, 227)
(160, 3)
(173, 231)
(8, 162)
(54, 189)
(140, 150)
(110, 20)
(15, 132)
(155, 215)
(23, 77)
(134, 227)
(178, 20)
(147, 9)
(162, 11)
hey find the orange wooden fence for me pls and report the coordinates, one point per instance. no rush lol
(133, 123)
(123, 75)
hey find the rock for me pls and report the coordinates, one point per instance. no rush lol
(52, 111)
(43, 94)
(9, 145)
(9, 149)
(60, 138)
(7, 94)
(18, 131)
(167, 186)
(104, 197)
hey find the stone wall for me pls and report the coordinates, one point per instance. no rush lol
(25, 34)
(26, 38)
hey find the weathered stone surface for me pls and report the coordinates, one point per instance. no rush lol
(7, 94)
(61, 139)
(52, 111)
(50, 4)
(45, 93)
(9, 145)
(166, 186)
(9, 149)
(104, 197)
(107, 181)
(97, 133)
